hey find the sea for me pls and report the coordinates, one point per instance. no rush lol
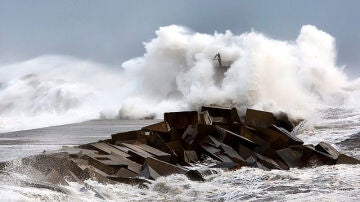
(338, 126)
(52, 101)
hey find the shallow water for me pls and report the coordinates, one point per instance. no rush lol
(338, 126)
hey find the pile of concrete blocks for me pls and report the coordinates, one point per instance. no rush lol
(184, 139)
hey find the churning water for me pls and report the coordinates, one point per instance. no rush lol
(338, 126)
(177, 72)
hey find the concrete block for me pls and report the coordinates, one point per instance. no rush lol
(328, 149)
(163, 168)
(162, 127)
(180, 120)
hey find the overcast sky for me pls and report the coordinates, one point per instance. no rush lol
(111, 31)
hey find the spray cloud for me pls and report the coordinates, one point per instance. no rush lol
(177, 72)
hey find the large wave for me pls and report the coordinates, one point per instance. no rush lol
(51, 90)
(177, 72)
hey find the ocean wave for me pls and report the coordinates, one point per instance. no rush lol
(177, 72)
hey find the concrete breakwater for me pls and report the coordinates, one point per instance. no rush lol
(215, 135)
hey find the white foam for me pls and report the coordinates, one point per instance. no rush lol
(324, 183)
(177, 72)
(52, 90)
(291, 76)
(340, 182)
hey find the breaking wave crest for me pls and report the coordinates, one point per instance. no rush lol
(52, 90)
(177, 72)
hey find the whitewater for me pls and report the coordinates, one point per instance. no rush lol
(300, 77)
(177, 72)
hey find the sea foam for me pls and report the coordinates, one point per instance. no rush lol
(177, 72)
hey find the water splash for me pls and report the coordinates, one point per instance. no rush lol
(177, 72)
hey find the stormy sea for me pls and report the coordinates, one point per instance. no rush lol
(53, 101)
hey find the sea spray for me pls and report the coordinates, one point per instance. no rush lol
(177, 72)
(267, 74)
(51, 90)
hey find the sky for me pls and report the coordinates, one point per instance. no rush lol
(113, 31)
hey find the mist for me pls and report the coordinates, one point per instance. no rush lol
(177, 72)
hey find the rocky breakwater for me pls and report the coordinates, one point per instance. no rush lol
(216, 137)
